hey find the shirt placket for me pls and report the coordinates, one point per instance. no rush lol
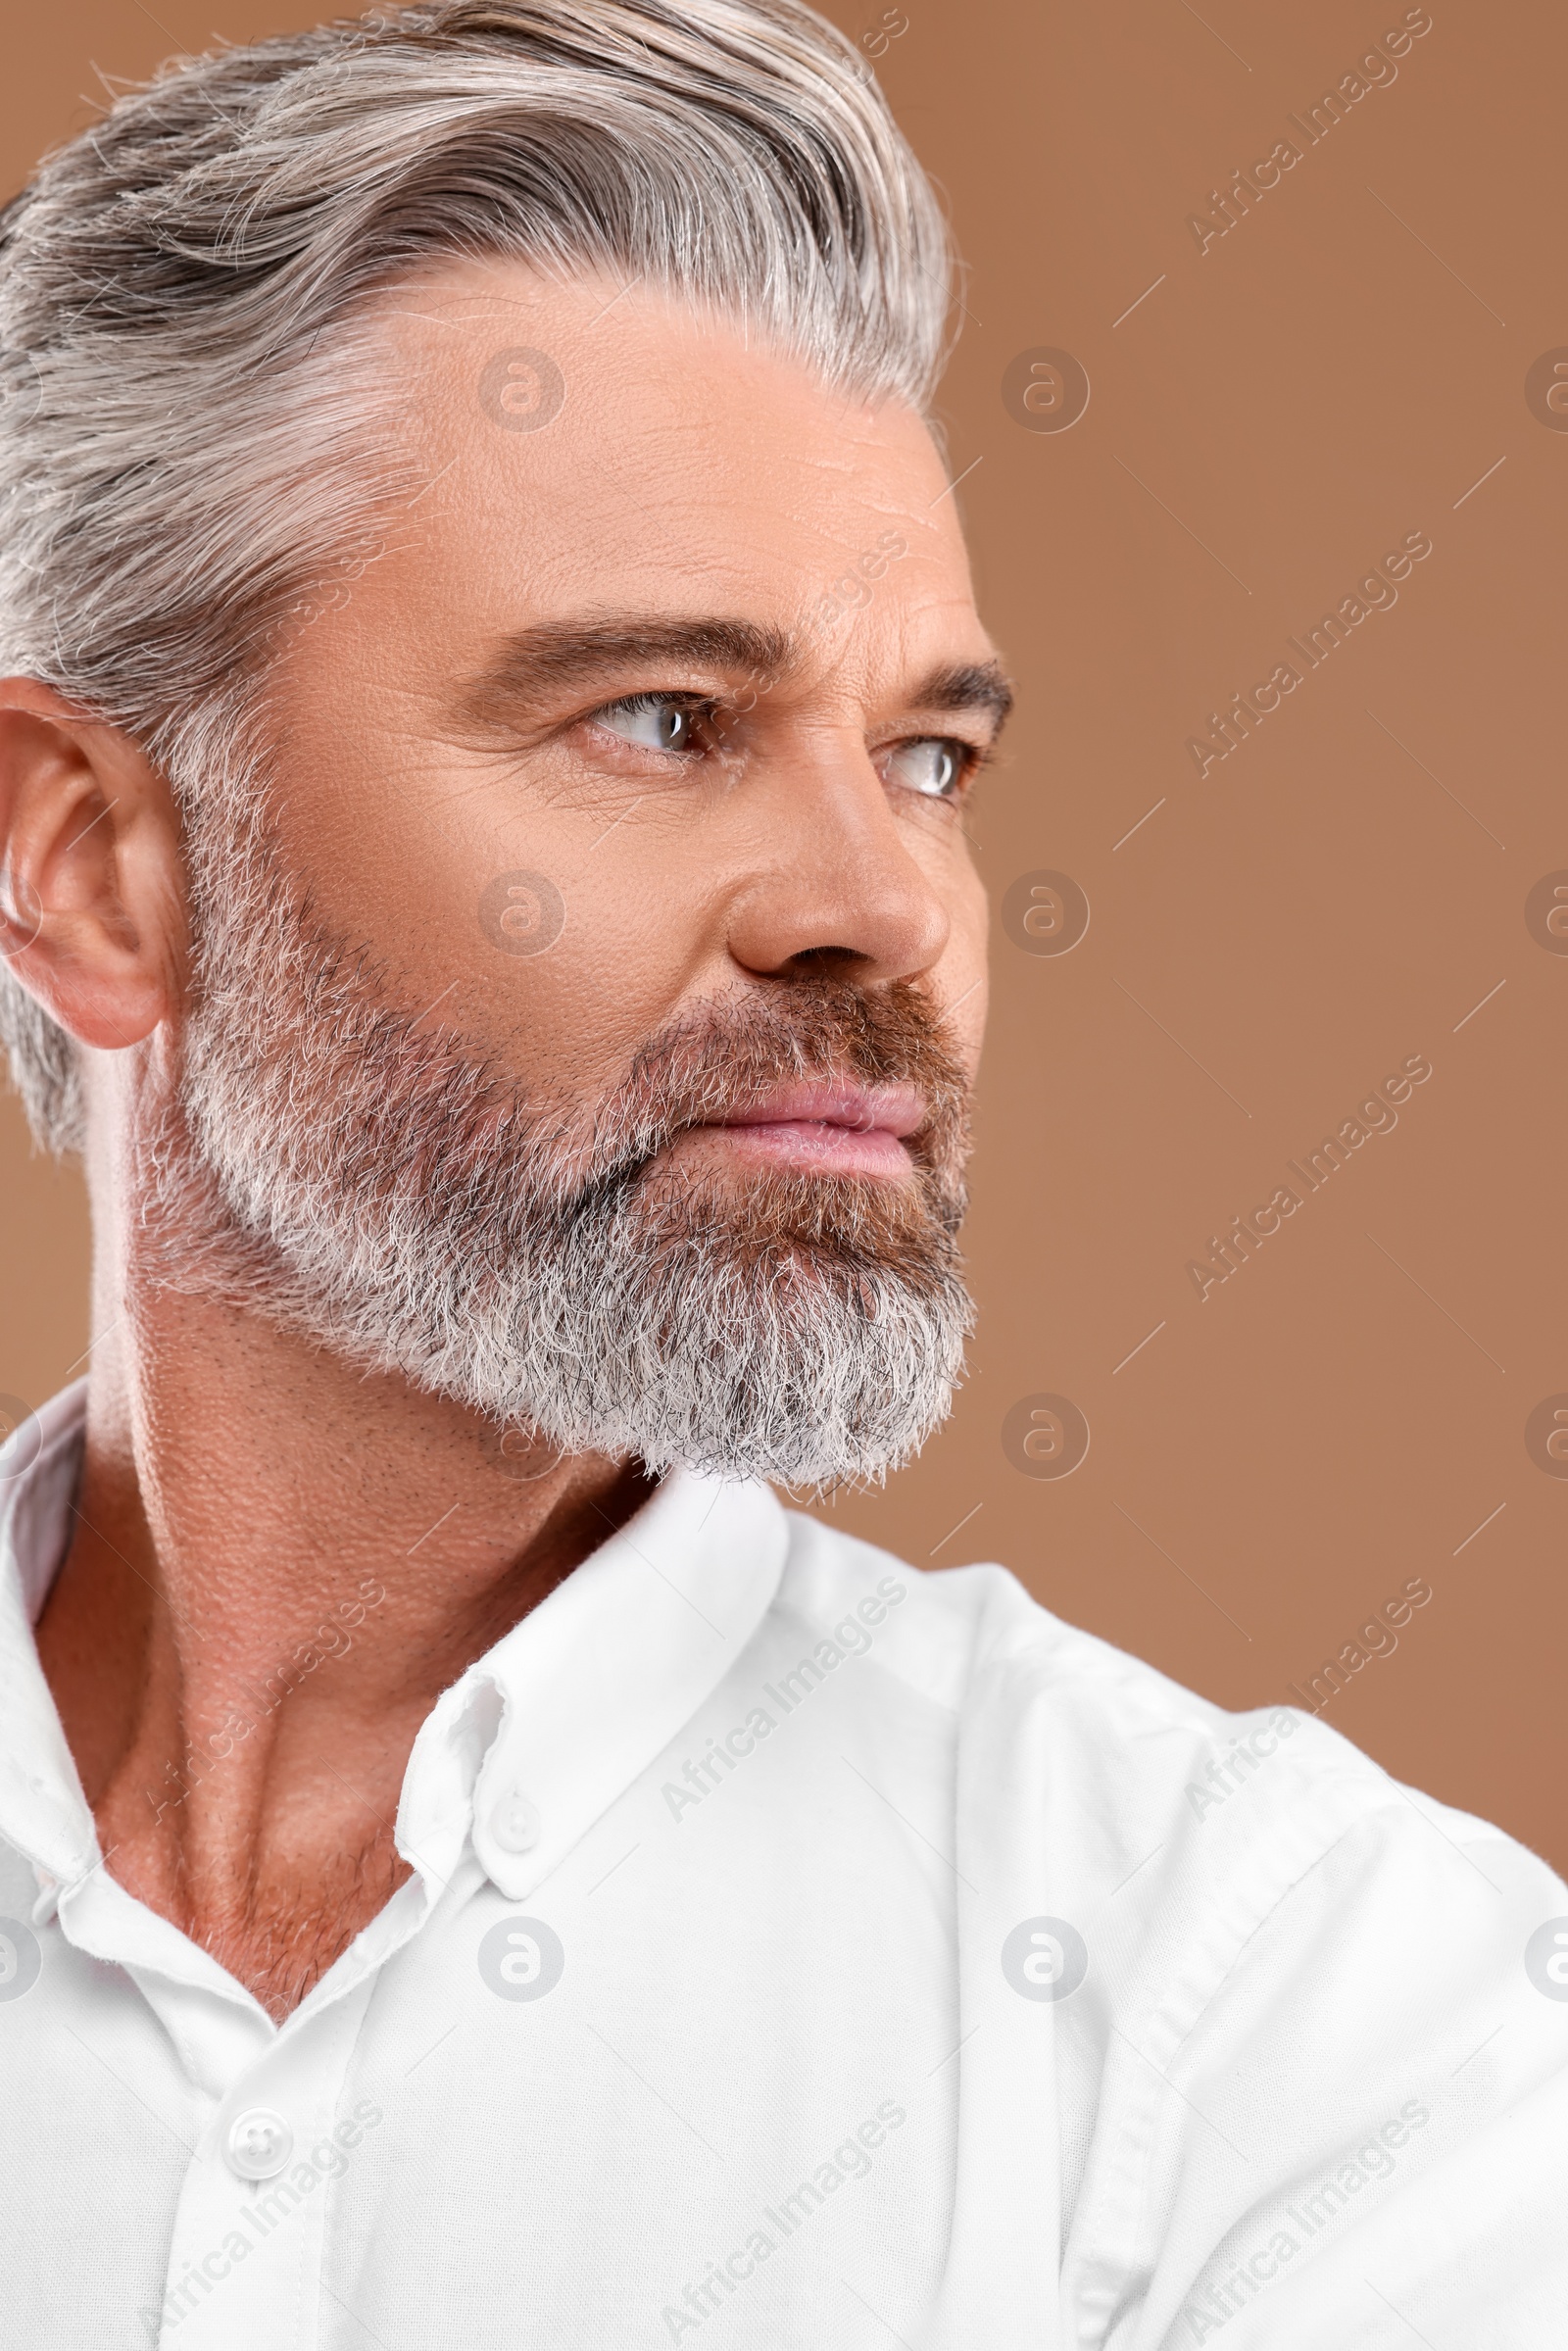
(279, 2123)
(246, 2252)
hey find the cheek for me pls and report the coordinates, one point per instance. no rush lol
(642, 936)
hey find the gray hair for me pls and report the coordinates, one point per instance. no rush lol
(183, 294)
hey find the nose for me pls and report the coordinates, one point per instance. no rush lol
(837, 886)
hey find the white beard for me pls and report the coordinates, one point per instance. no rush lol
(325, 1161)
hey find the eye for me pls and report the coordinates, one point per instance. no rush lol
(669, 722)
(934, 765)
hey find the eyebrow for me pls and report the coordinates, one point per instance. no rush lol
(530, 664)
(958, 685)
(536, 663)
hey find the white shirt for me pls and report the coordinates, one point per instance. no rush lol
(801, 1950)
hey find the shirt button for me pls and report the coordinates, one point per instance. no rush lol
(260, 2143)
(514, 1823)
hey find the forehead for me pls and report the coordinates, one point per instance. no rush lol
(586, 445)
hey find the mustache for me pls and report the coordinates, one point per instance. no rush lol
(338, 1035)
(704, 1066)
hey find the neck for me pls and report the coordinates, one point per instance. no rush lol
(277, 1566)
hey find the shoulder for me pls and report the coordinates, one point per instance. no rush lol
(1282, 1980)
(968, 1636)
(1104, 1756)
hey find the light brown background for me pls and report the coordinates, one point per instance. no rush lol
(1277, 412)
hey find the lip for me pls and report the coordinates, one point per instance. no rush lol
(828, 1129)
(896, 1111)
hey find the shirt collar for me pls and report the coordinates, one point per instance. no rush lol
(604, 1673)
(525, 1751)
(42, 1808)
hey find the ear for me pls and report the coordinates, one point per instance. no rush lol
(92, 917)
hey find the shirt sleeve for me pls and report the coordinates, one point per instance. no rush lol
(1362, 2140)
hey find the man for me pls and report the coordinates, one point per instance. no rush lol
(495, 693)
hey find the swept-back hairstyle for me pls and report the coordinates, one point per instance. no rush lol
(190, 427)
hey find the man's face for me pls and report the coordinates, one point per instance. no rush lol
(619, 804)
(683, 480)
